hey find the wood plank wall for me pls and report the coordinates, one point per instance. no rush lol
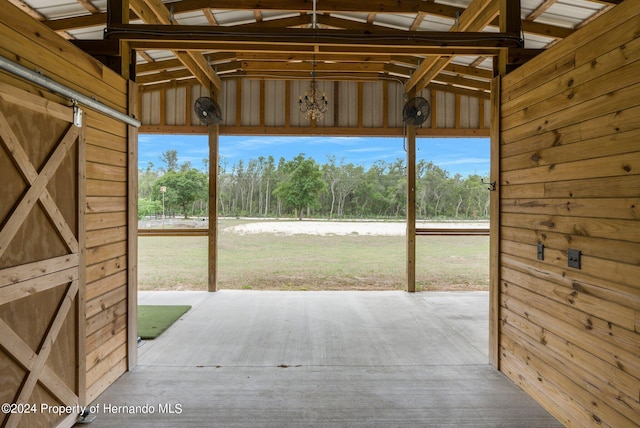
(36, 47)
(570, 179)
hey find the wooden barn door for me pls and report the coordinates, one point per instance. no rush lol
(41, 261)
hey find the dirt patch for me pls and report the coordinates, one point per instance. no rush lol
(342, 228)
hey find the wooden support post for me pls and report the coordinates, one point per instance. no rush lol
(360, 104)
(385, 104)
(262, 102)
(458, 112)
(132, 232)
(188, 105)
(434, 106)
(117, 14)
(336, 103)
(163, 107)
(510, 23)
(287, 104)
(81, 300)
(214, 133)
(411, 206)
(238, 103)
(494, 228)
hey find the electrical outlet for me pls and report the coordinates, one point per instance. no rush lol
(540, 251)
(574, 258)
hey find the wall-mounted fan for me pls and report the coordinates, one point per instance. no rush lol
(416, 111)
(208, 111)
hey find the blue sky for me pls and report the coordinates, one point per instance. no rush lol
(457, 155)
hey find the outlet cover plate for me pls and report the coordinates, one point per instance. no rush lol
(574, 257)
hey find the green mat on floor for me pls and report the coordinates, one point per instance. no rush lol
(153, 320)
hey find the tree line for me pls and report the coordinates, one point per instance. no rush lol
(301, 187)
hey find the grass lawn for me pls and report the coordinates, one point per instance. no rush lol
(310, 262)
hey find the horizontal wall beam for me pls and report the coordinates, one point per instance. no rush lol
(317, 130)
(210, 36)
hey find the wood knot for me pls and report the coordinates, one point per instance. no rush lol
(548, 223)
(535, 157)
(588, 324)
(627, 167)
(570, 83)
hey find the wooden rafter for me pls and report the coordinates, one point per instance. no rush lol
(272, 62)
(23, 6)
(210, 17)
(467, 42)
(475, 18)
(146, 57)
(155, 12)
(594, 16)
(325, 7)
(416, 22)
(89, 6)
(535, 13)
(371, 17)
(171, 64)
(463, 81)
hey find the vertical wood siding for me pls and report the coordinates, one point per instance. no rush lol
(37, 47)
(570, 179)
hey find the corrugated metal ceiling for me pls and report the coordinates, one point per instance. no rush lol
(558, 15)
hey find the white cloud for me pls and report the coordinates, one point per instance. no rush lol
(463, 161)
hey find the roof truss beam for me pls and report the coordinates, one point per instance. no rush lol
(305, 38)
(326, 7)
(475, 18)
(155, 12)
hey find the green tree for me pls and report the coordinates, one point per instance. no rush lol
(170, 157)
(146, 180)
(303, 185)
(148, 207)
(183, 188)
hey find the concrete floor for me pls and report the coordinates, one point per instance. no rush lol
(319, 359)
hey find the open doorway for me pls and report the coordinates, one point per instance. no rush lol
(352, 235)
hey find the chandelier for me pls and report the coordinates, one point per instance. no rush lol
(313, 105)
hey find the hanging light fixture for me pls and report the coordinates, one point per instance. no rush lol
(312, 104)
